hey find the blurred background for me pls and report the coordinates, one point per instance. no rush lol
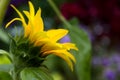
(99, 18)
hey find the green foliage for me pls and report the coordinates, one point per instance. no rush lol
(3, 8)
(6, 67)
(4, 57)
(35, 74)
(3, 36)
(81, 39)
(4, 39)
(5, 76)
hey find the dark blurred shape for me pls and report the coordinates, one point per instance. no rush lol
(10, 11)
(18, 2)
(107, 12)
(75, 9)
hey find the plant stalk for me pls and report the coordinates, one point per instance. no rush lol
(3, 8)
(52, 4)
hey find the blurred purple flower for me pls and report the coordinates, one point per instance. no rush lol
(109, 74)
(118, 68)
(65, 39)
(106, 62)
(116, 58)
(96, 61)
(88, 31)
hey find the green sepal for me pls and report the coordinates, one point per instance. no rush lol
(5, 76)
(35, 74)
(13, 46)
(25, 53)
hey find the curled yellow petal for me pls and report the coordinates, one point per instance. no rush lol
(60, 52)
(64, 55)
(12, 21)
(21, 16)
(50, 46)
(69, 46)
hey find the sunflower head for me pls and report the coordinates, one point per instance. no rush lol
(36, 43)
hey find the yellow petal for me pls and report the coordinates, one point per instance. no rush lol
(27, 30)
(40, 42)
(69, 46)
(55, 35)
(38, 22)
(69, 55)
(27, 14)
(30, 21)
(64, 55)
(32, 11)
(12, 21)
(21, 16)
(50, 46)
(36, 36)
(60, 52)
(68, 61)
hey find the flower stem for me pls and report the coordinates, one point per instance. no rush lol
(3, 7)
(52, 4)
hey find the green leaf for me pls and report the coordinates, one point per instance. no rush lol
(82, 41)
(4, 57)
(4, 52)
(5, 61)
(6, 67)
(4, 37)
(5, 76)
(35, 74)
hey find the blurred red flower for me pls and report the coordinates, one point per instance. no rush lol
(88, 11)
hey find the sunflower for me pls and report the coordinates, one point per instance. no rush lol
(46, 40)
